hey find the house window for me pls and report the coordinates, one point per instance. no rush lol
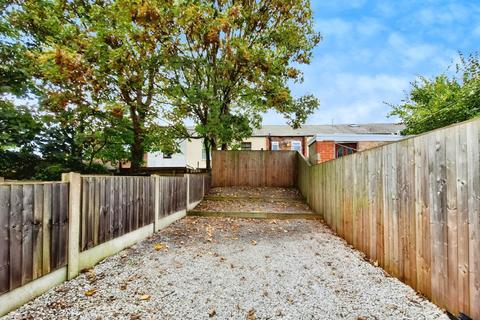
(204, 154)
(275, 145)
(167, 155)
(246, 146)
(343, 149)
(297, 146)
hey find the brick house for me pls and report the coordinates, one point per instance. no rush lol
(325, 147)
(281, 137)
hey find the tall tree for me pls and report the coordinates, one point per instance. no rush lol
(234, 62)
(95, 59)
(443, 100)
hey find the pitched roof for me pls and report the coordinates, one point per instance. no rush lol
(311, 130)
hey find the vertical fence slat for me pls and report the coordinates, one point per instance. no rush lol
(27, 234)
(37, 231)
(462, 223)
(55, 238)
(4, 238)
(473, 156)
(63, 218)
(15, 236)
(47, 228)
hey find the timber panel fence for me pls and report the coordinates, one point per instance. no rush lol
(254, 168)
(33, 231)
(412, 206)
(49, 231)
(114, 206)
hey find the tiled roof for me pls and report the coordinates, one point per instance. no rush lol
(310, 130)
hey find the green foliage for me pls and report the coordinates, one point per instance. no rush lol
(98, 65)
(104, 72)
(444, 100)
(234, 61)
(18, 127)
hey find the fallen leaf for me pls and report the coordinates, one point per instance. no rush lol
(145, 297)
(254, 242)
(159, 246)
(212, 312)
(90, 292)
(251, 314)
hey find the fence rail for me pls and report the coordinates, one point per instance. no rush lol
(413, 206)
(254, 168)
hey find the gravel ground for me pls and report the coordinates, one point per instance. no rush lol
(242, 205)
(202, 268)
(263, 192)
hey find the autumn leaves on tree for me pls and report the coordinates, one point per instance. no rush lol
(119, 78)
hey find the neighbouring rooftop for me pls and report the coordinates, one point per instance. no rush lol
(311, 130)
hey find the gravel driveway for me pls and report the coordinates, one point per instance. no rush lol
(202, 268)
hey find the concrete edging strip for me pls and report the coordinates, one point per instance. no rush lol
(14, 299)
(91, 257)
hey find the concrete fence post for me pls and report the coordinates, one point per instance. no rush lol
(74, 205)
(2, 179)
(156, 225)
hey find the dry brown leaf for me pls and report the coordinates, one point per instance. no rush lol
(212, 313)
(159, 246)
(251, 315)
(90, 292)
(254, 242)
(145, 297)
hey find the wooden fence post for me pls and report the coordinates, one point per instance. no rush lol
(156, 218)
(188, 191)
(74, 179)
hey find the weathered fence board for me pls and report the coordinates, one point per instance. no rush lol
(114, 206)
(412, 206)
(26, 235)
(254, 168)
(173, 195)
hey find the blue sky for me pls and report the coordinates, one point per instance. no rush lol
(372, 50)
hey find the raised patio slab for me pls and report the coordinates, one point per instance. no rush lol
(260, 203)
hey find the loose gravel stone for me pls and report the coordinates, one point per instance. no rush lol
(217, 268)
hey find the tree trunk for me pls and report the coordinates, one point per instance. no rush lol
(137, 148)
(207, 153)
(224, 147)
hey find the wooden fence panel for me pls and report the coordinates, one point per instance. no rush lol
(198, 186)
(28, 213)
(254, 168)
(173, 194)
(114, 206)
(412, 206)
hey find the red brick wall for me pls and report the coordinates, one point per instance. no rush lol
(325, 151)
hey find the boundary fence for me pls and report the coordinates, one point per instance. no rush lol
(50, 231)
(413, 207)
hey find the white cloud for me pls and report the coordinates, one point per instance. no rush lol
(350, 98)
(344, 30)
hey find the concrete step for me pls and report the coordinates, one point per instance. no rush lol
(256, 215)
(253, 198)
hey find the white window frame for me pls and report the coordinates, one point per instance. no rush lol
(297, 146)
(275, 146)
